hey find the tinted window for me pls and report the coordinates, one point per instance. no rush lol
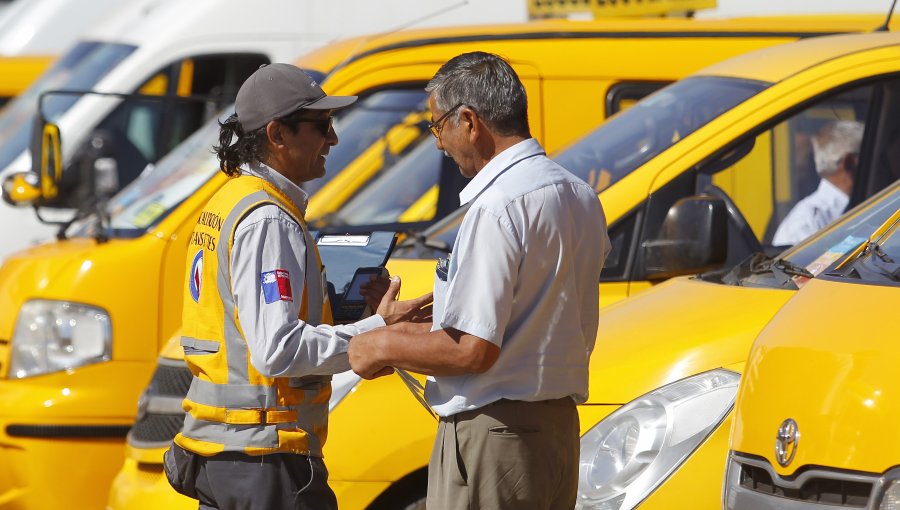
(368, 120)
(654, 124)
(81, 68)
(389, 198)
(822, 250)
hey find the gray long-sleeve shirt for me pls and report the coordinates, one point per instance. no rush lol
(269, 252)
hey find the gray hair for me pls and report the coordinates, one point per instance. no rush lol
(834, 142)
(486, 83)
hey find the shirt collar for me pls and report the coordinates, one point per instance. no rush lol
(832, 194)
(267, 173)
(496, 166)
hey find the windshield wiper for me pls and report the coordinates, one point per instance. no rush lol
(330, 219)
(419, 240)
(789, 268)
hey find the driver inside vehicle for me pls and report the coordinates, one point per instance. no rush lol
(836, 152)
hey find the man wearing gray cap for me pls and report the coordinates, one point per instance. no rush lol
(257, 322)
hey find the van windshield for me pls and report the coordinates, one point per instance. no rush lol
(151, 197)
(391, 195)
(79, 69)
(657, 122)
(821, 250)
(628, 140)
(359, 127)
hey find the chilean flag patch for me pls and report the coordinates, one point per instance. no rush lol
(196, 276)
(276, 285)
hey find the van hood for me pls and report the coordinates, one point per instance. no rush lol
(416, 276)
(675, 330)
(829, 362)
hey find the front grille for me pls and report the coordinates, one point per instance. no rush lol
(752, 483)
(156, 428)
(846, 493)
(160, 416)
(170, 379)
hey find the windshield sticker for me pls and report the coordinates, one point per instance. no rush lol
(148, 214)
(835, 252)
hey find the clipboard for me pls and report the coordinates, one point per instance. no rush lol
(342, 255)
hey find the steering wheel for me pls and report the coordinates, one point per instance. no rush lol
(737, 219)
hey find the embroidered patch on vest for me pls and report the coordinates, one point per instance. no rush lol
(196, 276)
(276, 286)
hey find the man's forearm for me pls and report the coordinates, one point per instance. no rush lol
(441, 352)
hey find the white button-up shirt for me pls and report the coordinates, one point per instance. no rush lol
(811, 214)
(280, 344)
(523, 275)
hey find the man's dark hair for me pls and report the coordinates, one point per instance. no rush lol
(249, 147)
(486, 83)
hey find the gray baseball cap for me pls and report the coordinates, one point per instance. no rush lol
(276, 90)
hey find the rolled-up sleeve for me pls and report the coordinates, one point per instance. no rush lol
(483, 275)
(269, 245)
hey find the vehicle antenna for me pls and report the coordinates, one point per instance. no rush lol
(887, 21)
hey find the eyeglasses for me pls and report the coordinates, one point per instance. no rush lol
(323, 124)
(436, 126)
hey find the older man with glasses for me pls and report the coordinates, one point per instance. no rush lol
(515, 308)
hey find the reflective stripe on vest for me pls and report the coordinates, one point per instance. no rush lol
(227, 411)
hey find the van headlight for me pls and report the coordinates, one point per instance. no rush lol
(633, 450)
(888, 492)
(52, 336)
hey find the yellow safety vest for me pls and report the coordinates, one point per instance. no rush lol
(230, 405)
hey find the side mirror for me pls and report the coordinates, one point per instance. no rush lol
(21, 189)
(693, 238)
(46, 158)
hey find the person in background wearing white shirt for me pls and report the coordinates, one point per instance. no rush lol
(835, 150)
(515, 308)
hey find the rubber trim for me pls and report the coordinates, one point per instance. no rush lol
(584, 35)
(68, 431)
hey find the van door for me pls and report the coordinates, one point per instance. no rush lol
(771, 174)
(138, 132)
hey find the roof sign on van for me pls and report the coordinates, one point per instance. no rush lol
(540, 9)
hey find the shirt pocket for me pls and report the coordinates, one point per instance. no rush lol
(438, 300)
(194, 347)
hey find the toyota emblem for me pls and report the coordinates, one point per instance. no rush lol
(786, 442)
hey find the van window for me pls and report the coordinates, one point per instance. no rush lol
(370, 119)
(822, 250)
(150, 198)
(396, 190)
(622, 96)
(79, 69)
(142, 131)
(638, 134)
(838, 148)
(184, 170)
(772, 179)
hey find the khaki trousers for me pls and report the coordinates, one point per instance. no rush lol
(506, 455)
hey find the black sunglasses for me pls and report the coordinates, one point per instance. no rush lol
(323, 124)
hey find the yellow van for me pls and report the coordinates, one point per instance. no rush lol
(817, 410)
(390, 473)
(103, 309)
(748, 149)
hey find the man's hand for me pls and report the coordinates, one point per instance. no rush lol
(364, 355)
(392, 310)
